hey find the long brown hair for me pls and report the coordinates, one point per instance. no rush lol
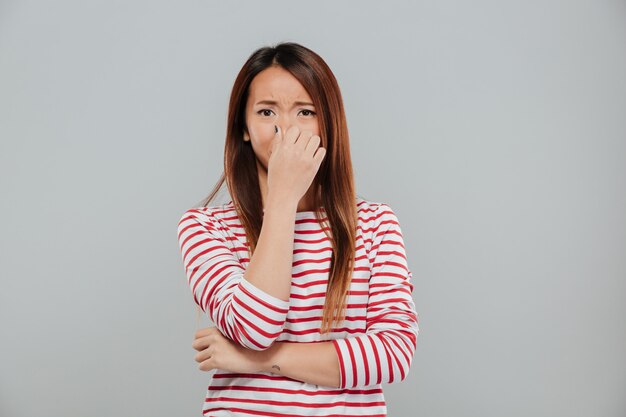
(334, 182)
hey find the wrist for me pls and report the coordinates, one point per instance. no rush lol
(284, 203)
(266, 359)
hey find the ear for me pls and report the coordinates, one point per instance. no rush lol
(246, 135)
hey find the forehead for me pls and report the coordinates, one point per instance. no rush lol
(277, 83)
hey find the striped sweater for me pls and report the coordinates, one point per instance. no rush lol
(375, 344)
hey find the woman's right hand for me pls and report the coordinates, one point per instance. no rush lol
(295, 158)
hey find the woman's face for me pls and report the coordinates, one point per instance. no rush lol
(276, 98)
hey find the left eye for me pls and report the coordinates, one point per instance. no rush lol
(308, 112)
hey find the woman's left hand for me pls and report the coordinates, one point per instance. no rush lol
(215, 351)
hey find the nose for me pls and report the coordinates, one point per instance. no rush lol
(285, 121)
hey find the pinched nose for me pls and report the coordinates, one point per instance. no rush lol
(284, 122)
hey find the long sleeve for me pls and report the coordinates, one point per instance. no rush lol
(383, 354)
(241, 311)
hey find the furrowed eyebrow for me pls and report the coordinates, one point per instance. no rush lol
(275, 103)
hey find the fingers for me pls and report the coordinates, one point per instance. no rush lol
(200, 333)
(319, 156)
(292, 134)
(304, 139)
(206, 365)
(204, 338)
(314, 150)
(202, 342)
(312, 144)
(203, 355)
(205, 331)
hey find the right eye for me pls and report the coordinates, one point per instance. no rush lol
(265, 112)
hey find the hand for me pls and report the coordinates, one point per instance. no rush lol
(215, 351)
(293, 163)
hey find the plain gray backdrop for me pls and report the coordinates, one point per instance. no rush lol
(496, 130)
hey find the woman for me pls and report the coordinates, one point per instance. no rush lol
(306, 283)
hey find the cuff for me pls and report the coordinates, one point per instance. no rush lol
(258, 296)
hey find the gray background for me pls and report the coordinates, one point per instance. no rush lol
(495, 129)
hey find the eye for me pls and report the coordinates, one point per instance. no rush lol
(308, 112)
(264, 112)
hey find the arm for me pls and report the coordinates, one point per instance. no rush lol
(240, 302)
(271, 264)
(385, 352)
(313, 362)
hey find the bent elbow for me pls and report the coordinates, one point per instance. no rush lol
(255, 338)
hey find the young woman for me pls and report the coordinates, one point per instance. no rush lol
(307, 284)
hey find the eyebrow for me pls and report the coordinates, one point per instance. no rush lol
(274, 103)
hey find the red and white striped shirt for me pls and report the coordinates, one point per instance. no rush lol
(375, 344)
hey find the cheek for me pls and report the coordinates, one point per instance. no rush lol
(261, 132)
(312, 125)
(261, 136)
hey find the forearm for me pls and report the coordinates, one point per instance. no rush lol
(315, 363)
(271, 264)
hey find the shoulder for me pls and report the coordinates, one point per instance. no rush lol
(209, 216)
(376, 213)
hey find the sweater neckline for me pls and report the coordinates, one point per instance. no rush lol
(299, 214)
